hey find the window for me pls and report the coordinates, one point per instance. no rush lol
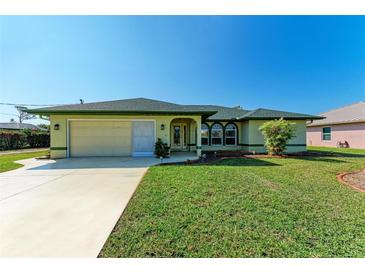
(217, 134)
(231, 135)
(185, 135)
(205, 134)
(177, 135)
(326, 134)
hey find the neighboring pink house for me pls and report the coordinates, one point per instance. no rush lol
(346, 124)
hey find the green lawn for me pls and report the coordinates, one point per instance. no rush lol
(7, 161)
(337, 150)
(244, 208)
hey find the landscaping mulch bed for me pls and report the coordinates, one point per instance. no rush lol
(211, 157)
(355, 180)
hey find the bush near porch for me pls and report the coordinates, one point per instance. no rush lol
(277, 134)
(272, 207)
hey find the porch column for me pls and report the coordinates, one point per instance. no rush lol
(198, 137)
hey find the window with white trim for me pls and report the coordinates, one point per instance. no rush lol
(326, 134)
(231, 135)
(205, 134)
(217, 135)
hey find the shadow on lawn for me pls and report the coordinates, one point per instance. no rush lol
(336, 154)
(264, 162)
(243, 162)
(320, 159)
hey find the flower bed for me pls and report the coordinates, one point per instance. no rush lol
(356, 180)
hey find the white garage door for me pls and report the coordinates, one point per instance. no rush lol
(100, 138)
(143, 138)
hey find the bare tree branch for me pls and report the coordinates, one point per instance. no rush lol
(23, 115)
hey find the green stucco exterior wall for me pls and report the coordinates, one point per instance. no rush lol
(59, 138)
(250, 138)
(256, 139)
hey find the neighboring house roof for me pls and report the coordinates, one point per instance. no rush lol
(353, 113)
(143, 105)
(13, 125)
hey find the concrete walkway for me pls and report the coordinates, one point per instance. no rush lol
(68, 207)
(24, 150)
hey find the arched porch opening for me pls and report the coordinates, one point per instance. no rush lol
(183, 135)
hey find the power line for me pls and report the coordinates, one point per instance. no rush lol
(31, 105)
(1, 113)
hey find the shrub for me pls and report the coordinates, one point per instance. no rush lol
(161, 149)
(36, 139)
(277, 133)
(23, 139)
(10, 140)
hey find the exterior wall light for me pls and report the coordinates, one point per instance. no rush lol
(162, 127)
(56, 127)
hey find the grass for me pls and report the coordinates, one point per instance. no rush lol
(7, 160)
(272, 207)
(337, 150)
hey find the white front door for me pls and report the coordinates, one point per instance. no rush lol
(143, 138)
(179, 136)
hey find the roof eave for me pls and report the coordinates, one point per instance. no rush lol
(111, 112)
(336, 123)
(286, 118)
(222, 119)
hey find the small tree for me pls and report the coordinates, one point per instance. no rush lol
(23, 115)
(277, 133)
(161, 149)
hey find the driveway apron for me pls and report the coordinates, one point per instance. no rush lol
(65, 208)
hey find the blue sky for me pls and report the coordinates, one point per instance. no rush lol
(305, 64)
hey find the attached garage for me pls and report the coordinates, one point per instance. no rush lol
(111, 138)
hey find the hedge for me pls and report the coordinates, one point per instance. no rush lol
(23, 139)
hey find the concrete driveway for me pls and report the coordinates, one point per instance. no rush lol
(65, 208)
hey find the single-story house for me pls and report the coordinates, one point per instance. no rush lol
(343, 126)
(131, 127)
(18, 126)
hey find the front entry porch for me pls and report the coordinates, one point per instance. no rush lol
(183, 135)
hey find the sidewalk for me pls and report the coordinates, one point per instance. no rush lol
(24, 150)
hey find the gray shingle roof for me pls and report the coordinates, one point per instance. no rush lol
(12, 125)
(222, 113)
(143, 105)
(348, 114)
(262, 113)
